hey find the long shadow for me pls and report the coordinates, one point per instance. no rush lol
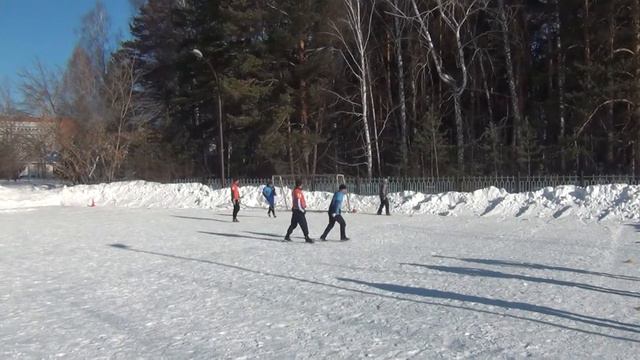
(538, 267)
(280, 236)
(501, 275)
(364, 292)
(240, 215)
(199, 218)
(544, 310)
(635, 226)
(239, 236)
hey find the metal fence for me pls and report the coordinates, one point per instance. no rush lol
(432, 185)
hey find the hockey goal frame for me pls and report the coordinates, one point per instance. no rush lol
(286, 183)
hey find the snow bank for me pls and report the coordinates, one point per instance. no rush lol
(616, 201)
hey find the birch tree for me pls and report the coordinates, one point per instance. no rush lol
(357, 22)
(557, 24)
(399, 28)
(455, 15)
(503, 20)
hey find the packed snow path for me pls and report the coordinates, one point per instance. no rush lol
(89, 283)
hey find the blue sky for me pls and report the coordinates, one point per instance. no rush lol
(47, 30)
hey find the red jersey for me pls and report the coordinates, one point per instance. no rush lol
(298, 199)
(235, 192)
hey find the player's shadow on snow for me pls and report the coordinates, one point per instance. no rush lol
(199, 218)
(279, 236)
(241, 215)
(501, 275)
(544, 310)
(241, 236)
(508, 263)
(371, 293)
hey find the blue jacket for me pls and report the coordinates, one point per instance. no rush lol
(336, 203)
(269, 193)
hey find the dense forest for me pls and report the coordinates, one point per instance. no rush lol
(360, 87)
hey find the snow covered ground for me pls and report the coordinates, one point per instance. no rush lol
(145, 279)
(601, 202)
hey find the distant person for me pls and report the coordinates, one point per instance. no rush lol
(335, 214)
(269, 193)
(235, 198)
(384, 196)
(298, 214)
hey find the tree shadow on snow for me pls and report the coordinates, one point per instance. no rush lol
(501, 275)
(376, 294)
(637, 228)
(538, 267)
(198, 218)
(240, 236)
(544, 310)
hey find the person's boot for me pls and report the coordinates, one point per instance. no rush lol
(287, 238)
(323, 237)
(309, 240)
(345, 239)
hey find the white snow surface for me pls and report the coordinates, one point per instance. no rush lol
(615, 201)
(135, 283)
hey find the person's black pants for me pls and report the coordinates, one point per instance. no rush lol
(236, 209)
(272, 209)
(298, 218)
(383, 203)
(332, 221)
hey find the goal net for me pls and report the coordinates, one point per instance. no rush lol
(319, 182)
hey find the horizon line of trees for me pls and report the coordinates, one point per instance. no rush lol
(360, 87)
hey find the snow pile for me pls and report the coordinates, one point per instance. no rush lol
(16, 196)
(617, 201)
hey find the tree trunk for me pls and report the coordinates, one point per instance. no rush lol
(459, 132)
(492, 126)
(636, 49)
(404, 149)
(517, 116)
(290, 146)
(304, 109)
(319, 124)
(354, 20)
(610, 107)
(561, 82)
(374, 121)
(457, 87)
(364, 92)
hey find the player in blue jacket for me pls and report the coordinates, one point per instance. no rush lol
(335, 214)
(269, 193)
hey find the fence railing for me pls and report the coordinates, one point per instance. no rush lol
(432, 185)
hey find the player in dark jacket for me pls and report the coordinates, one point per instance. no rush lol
(384, 196)
(269, 193)
(335, 214)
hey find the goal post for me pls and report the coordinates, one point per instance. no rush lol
(285, 183)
